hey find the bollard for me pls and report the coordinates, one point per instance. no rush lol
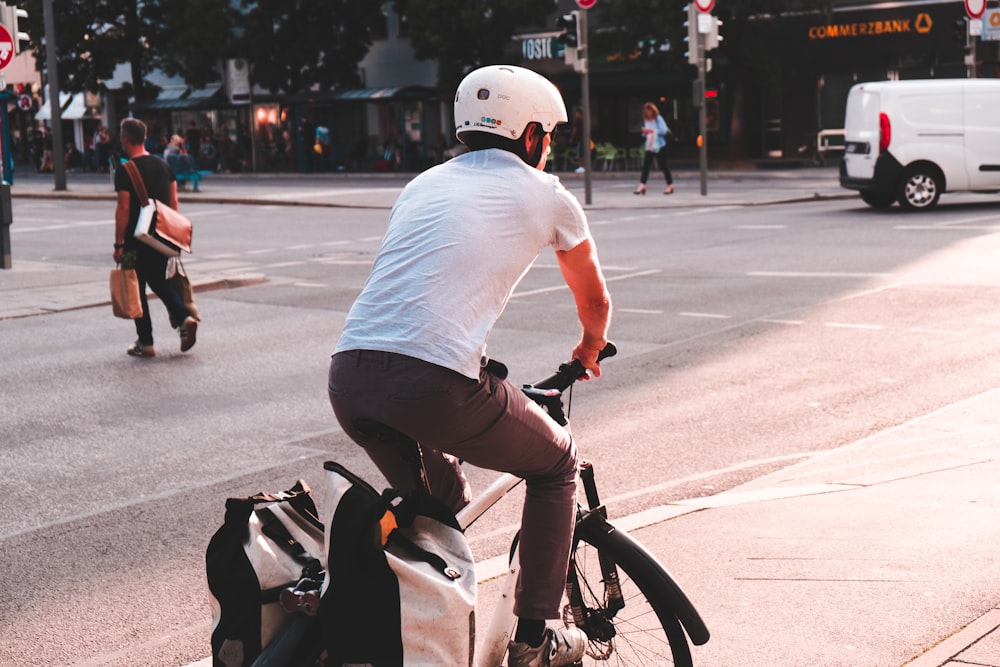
(6, 218)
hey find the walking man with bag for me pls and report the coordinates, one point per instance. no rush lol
(150, 264)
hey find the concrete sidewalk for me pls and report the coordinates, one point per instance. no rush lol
(881, 553)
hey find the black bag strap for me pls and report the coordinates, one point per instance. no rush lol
(298, 497)
(439, 564)
(400, 510)
(273, 528)
(137, 182)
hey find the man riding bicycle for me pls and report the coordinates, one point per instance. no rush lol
(412, 353)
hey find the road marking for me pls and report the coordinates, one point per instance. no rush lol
(332, 193)
(815, 274)
(846, 325)
(281, 265)
(557, 288)
(712, 316)
(941, 332)
(793, 322)
(20, 229)
(954, 224)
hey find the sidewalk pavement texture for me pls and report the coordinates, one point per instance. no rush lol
(881, 552)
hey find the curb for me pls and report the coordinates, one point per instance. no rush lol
(952, 646)
(205, 285)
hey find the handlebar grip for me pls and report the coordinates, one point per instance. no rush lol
(571, 371)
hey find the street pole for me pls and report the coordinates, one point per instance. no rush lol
(55, 110)
(702, 119)
(582, 60)
(702, 115)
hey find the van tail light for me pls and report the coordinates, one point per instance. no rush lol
(884, 132)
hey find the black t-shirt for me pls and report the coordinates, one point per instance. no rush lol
(157, 176)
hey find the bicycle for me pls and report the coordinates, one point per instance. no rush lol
(632, 610)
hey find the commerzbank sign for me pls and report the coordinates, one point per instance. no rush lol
(919, 24)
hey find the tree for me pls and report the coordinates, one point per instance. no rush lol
(291, 45)
(297, 45)
(92, 39)
(464, 34)
(191, 38)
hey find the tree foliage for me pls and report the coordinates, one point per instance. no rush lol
(464, 34)
(92, 36)
(291, 45)
(295, 45)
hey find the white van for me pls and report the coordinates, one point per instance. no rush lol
(909, 141)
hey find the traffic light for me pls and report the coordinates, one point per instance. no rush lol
(692, 37)
(570, 35)
(961, 31)
(9, 16)
(712, 37)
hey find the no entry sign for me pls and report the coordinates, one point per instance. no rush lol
(975, 8)
(6, 46)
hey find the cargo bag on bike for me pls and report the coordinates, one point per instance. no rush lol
(401, 588)
(265, 566)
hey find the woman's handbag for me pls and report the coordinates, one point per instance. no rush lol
(178, 279)
(125, 298)
(159, 226)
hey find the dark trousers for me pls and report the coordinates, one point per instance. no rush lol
(661, 157)
(151, 269)
(488, 422)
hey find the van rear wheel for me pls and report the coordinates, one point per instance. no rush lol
(880, 200)
(920, 188)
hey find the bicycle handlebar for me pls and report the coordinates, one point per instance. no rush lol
(571, 371)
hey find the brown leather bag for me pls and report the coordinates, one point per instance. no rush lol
(159, 226)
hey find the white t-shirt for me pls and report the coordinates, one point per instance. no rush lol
(460, 238)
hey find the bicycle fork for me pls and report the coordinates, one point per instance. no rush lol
(596, 624)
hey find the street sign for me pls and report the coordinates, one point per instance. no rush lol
(24, 102)
(6, 46)
(975, 8)
(706, 6)
(991, 25)
(585, 4)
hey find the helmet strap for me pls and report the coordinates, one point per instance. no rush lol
(531, 144)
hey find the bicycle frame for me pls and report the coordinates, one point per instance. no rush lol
(501, 626)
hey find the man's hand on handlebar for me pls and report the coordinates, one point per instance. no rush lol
(588, 356)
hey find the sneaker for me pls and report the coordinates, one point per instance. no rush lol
(564, 646)
(140, 350)
(188, 333)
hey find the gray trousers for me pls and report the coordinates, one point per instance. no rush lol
(488, 422)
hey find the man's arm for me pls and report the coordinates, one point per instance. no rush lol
(121, 222)
(582, 272)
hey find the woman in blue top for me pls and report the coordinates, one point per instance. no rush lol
(654, 133)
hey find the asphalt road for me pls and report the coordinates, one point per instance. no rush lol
(749, 337)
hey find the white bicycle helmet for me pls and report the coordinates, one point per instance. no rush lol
(504, 99)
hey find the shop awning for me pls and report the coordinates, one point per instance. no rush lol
(73, 107)
(366, 95)
(209, 97)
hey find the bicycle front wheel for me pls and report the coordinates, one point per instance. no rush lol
(640, 627)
